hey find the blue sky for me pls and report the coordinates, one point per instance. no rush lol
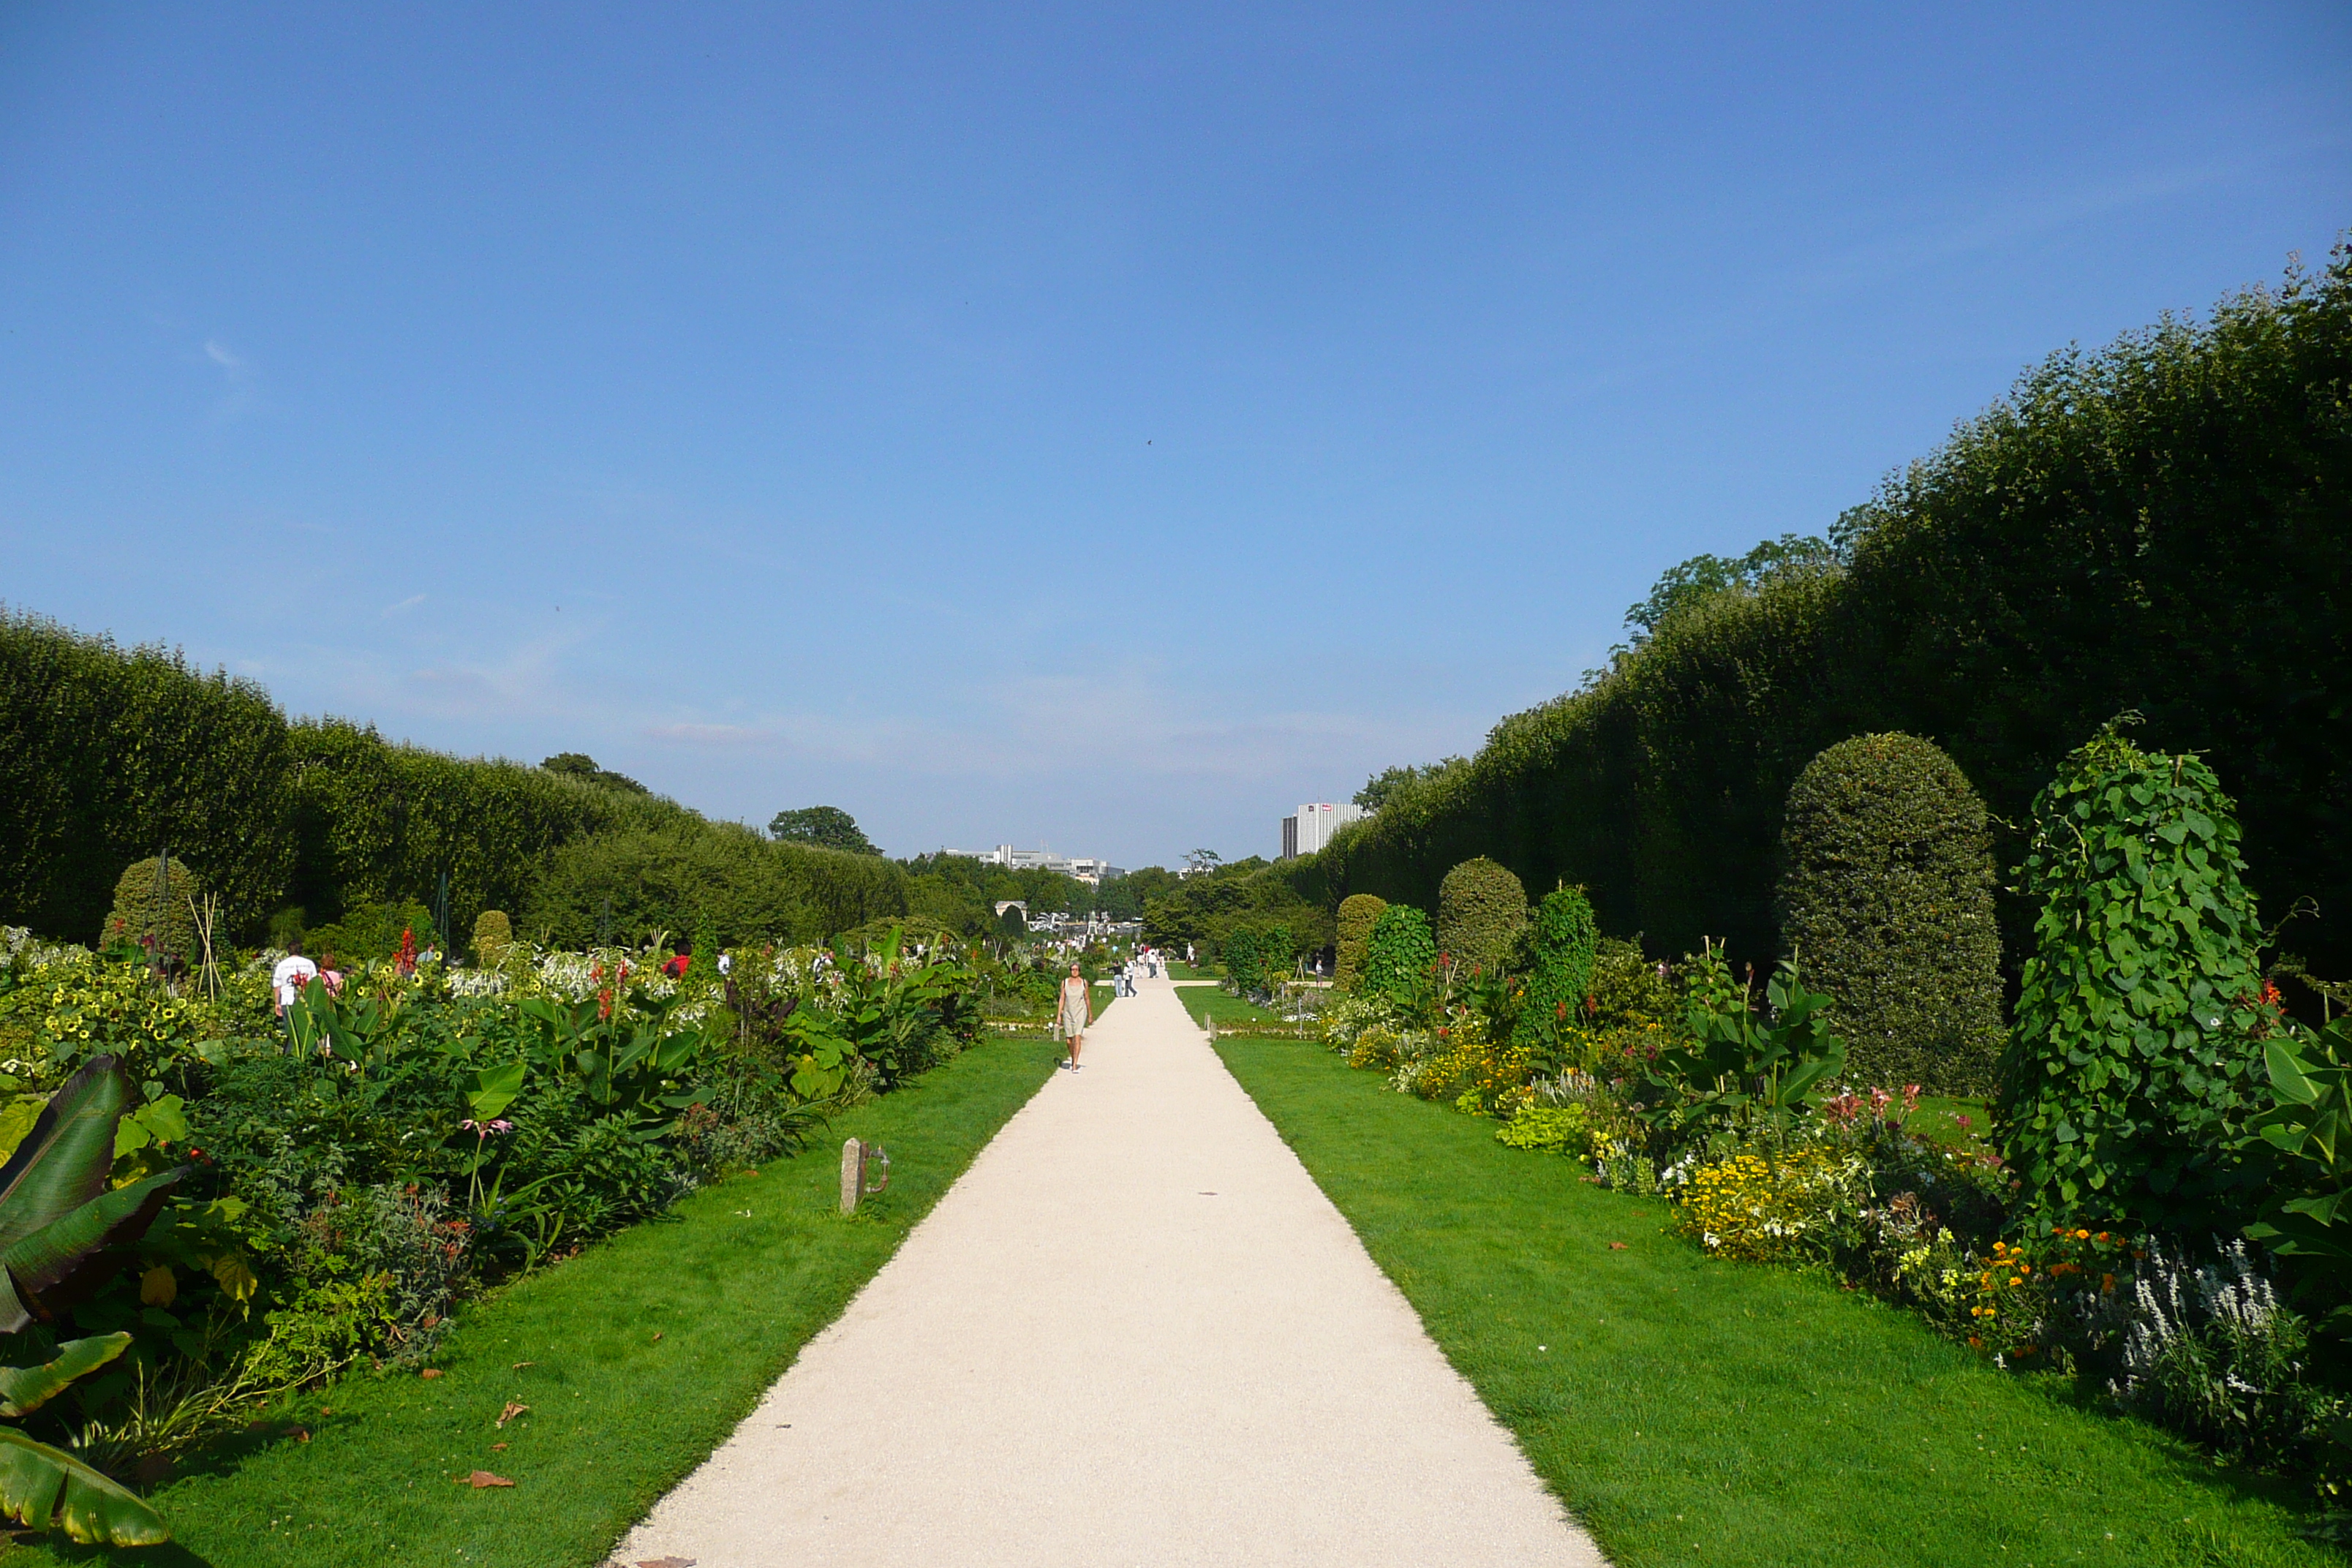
(1102, 426)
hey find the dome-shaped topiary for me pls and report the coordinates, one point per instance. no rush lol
(1886, 904)
(1481, 909)
(147, 905)
(1357, 913)
(492, 935)
(1563, 939)
(1398, 954)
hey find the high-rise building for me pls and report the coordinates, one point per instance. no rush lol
(1313, 825)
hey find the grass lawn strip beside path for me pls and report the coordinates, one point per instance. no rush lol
(1693, 1411)
(636, 1359)
(1207, 1002)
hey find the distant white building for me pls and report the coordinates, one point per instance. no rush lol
(1086, 869)
(1312, 828)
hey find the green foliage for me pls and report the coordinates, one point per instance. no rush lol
(825, 826)
(1563, 942)
(1887, 899)
(1389, 783)
(1207, 908)
(372, 931)
(1481, 909)
(2309, 1129)
(1357, 912)
(1399, 954)
(676, 878)
(106, 755)
(2136, 1062)
(1737, 1066)
(1245, 963)
(493, 934)
(151, 904)
(581, 766)
(2155, 525)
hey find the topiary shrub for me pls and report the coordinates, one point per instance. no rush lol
(2136, 1059)
(1481, 911)
(492, 935)
(1357, 913)
(145, 907)
(1562, 941)
(1886, 901)
(1244, 969)
(1398, 954)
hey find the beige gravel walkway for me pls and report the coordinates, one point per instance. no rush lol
(1135, 1332)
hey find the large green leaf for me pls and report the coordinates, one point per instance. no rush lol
(47, 1488)
(494, 1089)
(69, 1251)
(62, 1162)
(24, 1389)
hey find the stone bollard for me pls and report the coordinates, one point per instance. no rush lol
(853, 1175)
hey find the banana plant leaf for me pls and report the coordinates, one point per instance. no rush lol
(24, 1389)
(54, 1265)
(46, 1488)
(62, 1162)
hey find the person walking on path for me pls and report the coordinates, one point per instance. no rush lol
(1076, 1012)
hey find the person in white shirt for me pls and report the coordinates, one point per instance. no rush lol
(285, 981)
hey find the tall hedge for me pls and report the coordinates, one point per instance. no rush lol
(1886, 903)
(2137, 1058)
(2158, 525)
(1398, 953)
(1357, 913)
(108, 756)
(1481, 911)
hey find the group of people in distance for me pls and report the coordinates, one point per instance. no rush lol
(1077, 1008)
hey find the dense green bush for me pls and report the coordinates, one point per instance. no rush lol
(1563, 942)
(2157, 525)
(2136, 1061)
(152, 903)
(1481, 911)
(1886, 901)
(625, 886)
(1357, 913)
(1398, 953)
(1245, 964)
(492, 934)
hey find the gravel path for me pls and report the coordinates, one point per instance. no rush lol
(1135, 1332)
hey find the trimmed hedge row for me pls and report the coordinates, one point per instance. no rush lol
(2158, 526)
(107, 755)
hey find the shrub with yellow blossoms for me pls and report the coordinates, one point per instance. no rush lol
(1773, 1209)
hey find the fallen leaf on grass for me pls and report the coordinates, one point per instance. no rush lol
(658, 1333)
(498, 1448)
(1616, 1246)
(482, 1478)
(514, 1408)
(300, 1433)
(521, 1364)
(430, 1372)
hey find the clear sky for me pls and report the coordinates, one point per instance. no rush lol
(1097, 425)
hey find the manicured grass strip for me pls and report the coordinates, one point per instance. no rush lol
(1206, 1002)
(1694, 1411)
(617, 1415)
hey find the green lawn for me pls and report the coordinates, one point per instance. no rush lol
(1206, 1002)
(635, 1358)
(1698, 1412)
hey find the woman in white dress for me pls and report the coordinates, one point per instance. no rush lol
(1076, 1011)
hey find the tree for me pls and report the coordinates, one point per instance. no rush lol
(581, 765)
(1384, 785)
(827, 827)
(1481, 909)
(1702, 577)
(1203, 861)
(1357, 913)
